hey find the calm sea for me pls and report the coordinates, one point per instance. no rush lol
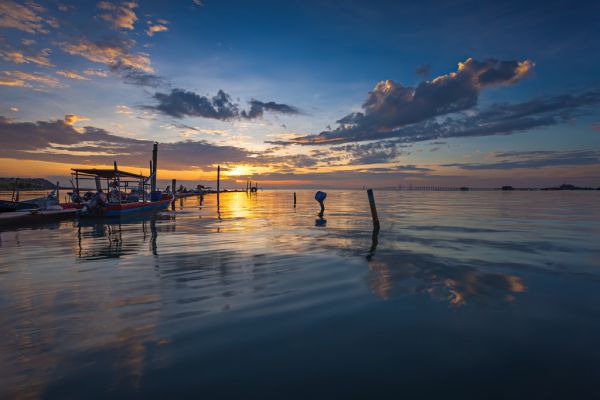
(461, 295)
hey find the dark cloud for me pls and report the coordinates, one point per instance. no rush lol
(180, 103)
(498, 119)
(257, 109)
(391, 106)
(132, 76)
(534, 159)
(423, 70)
(58, 141)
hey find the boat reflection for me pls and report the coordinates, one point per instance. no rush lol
(114, 238)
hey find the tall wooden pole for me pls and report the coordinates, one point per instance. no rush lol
(154, 165)
(294, 199)
(77, 182)
(174, 186)
(373, 210)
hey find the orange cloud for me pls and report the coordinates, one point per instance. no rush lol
(121, 16)
(24, 79)
(109, 53)
(18, 57)
(25, 18)
(67, 73)
(152, 29)
(71, 119)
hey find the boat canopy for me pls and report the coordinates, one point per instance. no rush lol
(108, 173)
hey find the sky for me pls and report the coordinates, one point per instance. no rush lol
(310, 94)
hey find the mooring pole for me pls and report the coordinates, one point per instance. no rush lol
(77, 182)
(373, 209)
(294, 199)
(174, 186)
(218, 182)
(58, 191)
(154, 165)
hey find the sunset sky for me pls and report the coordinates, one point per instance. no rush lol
(304, 94)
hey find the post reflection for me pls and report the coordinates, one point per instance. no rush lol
(99, 239)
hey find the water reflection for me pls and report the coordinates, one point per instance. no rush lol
(111, 302)
(113, 238)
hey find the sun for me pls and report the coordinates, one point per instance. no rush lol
(239, 170)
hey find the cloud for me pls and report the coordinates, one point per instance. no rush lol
(71, 119)
(534, 159)
(155, 28)
(121, 15)
(257, 109)
(498, 119)
(187, 131)
(371, 153)
(423, 70)
(180, 103)
(26, 79)
(14, 109)
(139, 78)
(24, 17)
(20, 57)
(391, 106)
(95, 72)
(123, 109)
(116, 53)
(67, 73)
(58, 141)
(595, 126)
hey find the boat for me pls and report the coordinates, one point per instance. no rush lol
(11, 206)
(48, 202)
(125, 192)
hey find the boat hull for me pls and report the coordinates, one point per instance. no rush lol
(8, 206)
(118, 210)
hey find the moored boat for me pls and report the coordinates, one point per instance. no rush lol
(125, 192)
(11, 206)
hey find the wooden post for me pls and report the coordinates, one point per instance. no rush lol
(118, 181)
(218, 182)
(77, 182)
(294, 199)
(174, 186)
(154, 165)
(58, 191)
(373, 209)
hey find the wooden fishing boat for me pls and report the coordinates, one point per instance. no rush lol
(128, 208)
(125, 192)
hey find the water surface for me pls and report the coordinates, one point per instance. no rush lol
(460, 295)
